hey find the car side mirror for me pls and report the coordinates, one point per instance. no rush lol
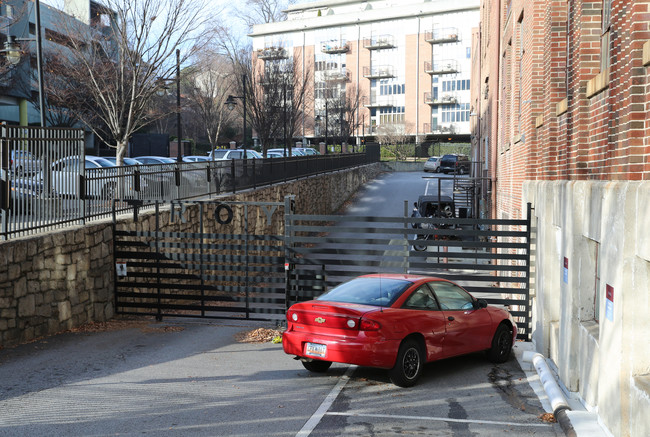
(480, 303)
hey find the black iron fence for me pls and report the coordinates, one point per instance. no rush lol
(47, 182)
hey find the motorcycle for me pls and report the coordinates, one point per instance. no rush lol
(431, 207)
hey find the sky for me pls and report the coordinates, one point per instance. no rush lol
(225, 5)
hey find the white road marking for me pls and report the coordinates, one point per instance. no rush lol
(315, 419)
(437, 419)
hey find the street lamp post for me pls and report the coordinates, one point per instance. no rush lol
(177, 79)
(230, 103)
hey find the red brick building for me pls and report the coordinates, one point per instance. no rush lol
(561, 93)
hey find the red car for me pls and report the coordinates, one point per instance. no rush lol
(396, 322)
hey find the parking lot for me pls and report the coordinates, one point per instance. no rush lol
(192, 377)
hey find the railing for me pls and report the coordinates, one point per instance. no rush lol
(380, 101)
(446, 99)
(338, 75)
(334, 47)
(80, 194)
(442, 67)
(380, 72)
(442, 36)
(271, 53)
(379, 42)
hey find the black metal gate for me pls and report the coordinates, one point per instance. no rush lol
(252, 260)
(203, 259)
(490, 258)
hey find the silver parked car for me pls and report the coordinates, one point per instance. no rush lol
(224, 154)
(432, 164)
(102, 178)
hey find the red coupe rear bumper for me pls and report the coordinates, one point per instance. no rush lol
(360, 350)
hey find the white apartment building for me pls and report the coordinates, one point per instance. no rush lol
(409, 59)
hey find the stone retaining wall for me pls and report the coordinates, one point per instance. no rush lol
(56, 281)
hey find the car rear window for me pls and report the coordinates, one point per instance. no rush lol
(367, 291)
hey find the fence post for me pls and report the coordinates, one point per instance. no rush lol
(289, 205)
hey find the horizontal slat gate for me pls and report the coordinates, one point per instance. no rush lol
(490, 258)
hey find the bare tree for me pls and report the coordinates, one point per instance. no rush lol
(119, 59)
(394, 137)
(276, 92)
(343, 113)
(208, 84)
(263, 11)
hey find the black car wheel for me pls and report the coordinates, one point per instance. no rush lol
(438, 170)
(501, 345)
(420, 247)
(408, 367)
(317, 366)
(461, 171)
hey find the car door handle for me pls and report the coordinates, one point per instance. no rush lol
(451, 318)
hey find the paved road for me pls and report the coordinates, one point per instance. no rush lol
(191, 377)
(385, 195)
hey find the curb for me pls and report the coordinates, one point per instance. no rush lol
(559, 403)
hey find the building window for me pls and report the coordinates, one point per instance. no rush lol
(605, 35)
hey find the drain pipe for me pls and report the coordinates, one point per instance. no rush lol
(559, 403)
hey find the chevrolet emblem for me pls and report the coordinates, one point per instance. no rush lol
(319, 320)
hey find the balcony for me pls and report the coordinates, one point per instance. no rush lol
(380, 102)
(381, 72)
(334, 47)
(379, 42)
(340, 75)
(446, 99)
(442, 67)
(442, 36)
(272, 53)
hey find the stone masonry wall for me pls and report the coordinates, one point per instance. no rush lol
(60, 280)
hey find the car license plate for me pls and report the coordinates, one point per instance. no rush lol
(316, 350)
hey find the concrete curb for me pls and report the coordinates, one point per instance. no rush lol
(558, 402)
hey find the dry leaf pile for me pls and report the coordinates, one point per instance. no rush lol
(260, 335)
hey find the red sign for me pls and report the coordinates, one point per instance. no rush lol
(610, 293)
(566, 262)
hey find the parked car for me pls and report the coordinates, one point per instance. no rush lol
(101, 178)
(294, 152)
(454, 163)
(222, 154)
(126, 160)
(308, 150)
(24, 163)
(196, 158)
(154, 160)
(396, 322)
(432, 164)
(270, 154)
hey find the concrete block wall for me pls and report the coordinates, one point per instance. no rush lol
(62, 279)
(599, 345)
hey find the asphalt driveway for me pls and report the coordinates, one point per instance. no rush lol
(192, 377)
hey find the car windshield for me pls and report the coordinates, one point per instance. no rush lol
(368, 291)
(102, 162)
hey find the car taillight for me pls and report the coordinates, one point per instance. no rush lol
(292, 316)
(369, 325)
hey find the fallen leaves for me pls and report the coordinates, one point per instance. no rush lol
(547, 417)
(259, 335)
